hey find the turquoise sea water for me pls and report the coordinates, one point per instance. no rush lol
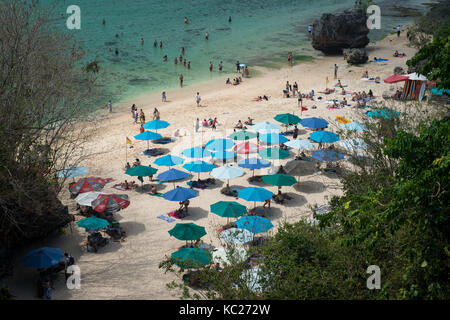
(261, 33)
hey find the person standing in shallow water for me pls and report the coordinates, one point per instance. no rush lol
(229, 19)
(160, 44)
(181, 80)
(210, 66)
(206, 35)
(155, 43)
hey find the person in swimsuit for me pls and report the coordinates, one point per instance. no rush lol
(210, 66)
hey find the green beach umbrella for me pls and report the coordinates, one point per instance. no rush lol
(287, 118)
(279, 179)
(191, 258)
(274, 153)
(93, 223)
(141, 171)
(187, 231)
(228, 209)
(242, 135)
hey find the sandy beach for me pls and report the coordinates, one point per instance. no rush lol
(129, 269)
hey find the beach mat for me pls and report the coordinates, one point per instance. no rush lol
(168, 219)
(158, 194)
(342, 120)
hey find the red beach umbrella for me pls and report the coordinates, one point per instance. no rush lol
(396, 78)
(110, 202)
(87, 185)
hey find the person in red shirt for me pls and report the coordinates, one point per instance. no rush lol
(141, 129)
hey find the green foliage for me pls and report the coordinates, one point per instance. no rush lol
(436, 56)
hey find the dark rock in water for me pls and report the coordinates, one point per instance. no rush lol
(356, 55)
(399, 70)
(335, 32)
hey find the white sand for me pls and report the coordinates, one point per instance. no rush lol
(129, 270)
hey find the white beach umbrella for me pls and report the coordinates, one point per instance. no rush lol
(227, 172)
(236, 236)
(300, 144)
(224, 255)
(266, 127)
(85, 199)
(353, 144)
(415, 76)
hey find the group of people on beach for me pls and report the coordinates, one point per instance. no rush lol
(210, 123)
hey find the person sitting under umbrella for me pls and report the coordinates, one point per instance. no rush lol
(331, 168)
(136, 163)
(114, 230)
(281, 170)
(302, 156)
(184, 205)
(153, 190)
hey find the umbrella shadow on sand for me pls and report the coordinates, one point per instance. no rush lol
(309, 187)
(296, 201)
(196, 213)
(272, 213)
(132, 228)
(147, 187)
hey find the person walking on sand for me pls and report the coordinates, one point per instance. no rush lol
(197, 124)
(133, 107)
(135, 116)
(335, 70)
(198, 99)
(238, 67)
(163, 97)
(181, 80)
(110, 106)
(156, 115)
(399, 29)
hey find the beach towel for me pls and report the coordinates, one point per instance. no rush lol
(158, 194)
(368, 79)
(162, 217)
(380, 60)
(342, 120)
(341, 86)
(332, 90)
(119, 187)
(332, 107)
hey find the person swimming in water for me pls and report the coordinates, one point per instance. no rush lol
(142, 41)
(229, 19)
(206, 35)
(189, 65)
(186, 21)
(175, 61)
(210, 66)
(117, 52)
(165, 58)
(182, 51)
(160, 44)
(155, 43)
(103, 21)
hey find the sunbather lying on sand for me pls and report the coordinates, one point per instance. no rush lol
(126, 185)
(327, 91)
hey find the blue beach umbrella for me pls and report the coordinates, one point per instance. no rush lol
(355, 126)
(156, 124)
(43, 257)
(300, 144)
(253, 163)
(255, 194)
(168, 161)
(236, 236)
(220, 144)
(72, 172)
(314, 123)
(93, 223)
(266, 127)
(196, 152)
(180, 194)
(223, 154)
(254, 224)
(148, 136)
(324, 136)
(273, 138)
(199, 166)
(172, 175)
(327, 155)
